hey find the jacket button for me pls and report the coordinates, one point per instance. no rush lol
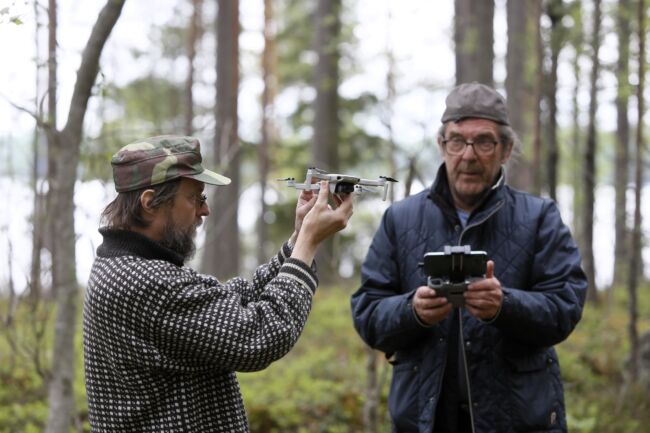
(457, 228)
(415, 368)
(442, 339)
(468, 344)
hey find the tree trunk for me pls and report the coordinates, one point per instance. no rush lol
(522, 68)
(65, 145)
(371, 405)
(644, 361)
(52, 83)
(577, 40)
(193, 37)
(590, 160)
(326, 105)
(621, 251)
(635, 262)
(38, 220)
(222, 250)
(537, 96)
(474, 41)
(555, 13)
(269, 134)
(390, 110)
(326, 81)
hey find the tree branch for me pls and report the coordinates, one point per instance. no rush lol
(89, 68)
(36, 117)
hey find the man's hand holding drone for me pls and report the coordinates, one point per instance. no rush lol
(316, 220)
(306, 201)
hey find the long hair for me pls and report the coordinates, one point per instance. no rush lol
(125, 212)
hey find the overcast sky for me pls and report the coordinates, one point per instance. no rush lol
(419, 33)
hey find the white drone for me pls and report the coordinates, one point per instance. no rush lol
(340, 183)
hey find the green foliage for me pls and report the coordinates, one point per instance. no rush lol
(149, 105)
(320, 385)
(23, 400)
(594, 361)
(8, 14)
(23, 394)
(144, 107)
(294, 41)
(356, 144)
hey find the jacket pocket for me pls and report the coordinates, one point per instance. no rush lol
(402, 400)
(535, 392)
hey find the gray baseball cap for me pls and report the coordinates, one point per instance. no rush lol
(475, 100)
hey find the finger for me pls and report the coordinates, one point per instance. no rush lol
(489, 273)
(473, 311)
(479, 285)
(424, 304)
(312, 200)
(306, 195)
(347, 203)
(425, 292)
(323, 193)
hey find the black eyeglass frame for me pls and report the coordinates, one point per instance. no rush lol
(479, 146)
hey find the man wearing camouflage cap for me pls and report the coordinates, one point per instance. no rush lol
(161, 341)
(488, 366)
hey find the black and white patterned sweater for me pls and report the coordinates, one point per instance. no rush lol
(162, 342)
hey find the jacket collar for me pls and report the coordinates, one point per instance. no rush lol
(119, 243)
(440, 193)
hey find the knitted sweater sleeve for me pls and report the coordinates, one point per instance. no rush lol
(262, 276)
(202, 324)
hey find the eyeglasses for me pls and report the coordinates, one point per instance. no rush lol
(482, 146)
(199, 200)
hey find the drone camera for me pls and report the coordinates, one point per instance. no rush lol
(343, 188)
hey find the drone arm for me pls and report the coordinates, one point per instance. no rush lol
(368, 182)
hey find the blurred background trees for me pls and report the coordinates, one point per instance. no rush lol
(311, 106)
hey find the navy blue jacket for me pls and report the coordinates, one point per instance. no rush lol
(513, 368)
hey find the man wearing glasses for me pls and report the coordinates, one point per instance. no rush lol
(488, 366)
(161, 341)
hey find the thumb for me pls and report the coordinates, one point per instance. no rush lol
(489, 273)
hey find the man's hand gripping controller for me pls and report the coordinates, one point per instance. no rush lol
(451, 271)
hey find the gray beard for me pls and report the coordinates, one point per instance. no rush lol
(178, 240)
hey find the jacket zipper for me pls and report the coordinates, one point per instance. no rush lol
(461, 340)
(496, 208)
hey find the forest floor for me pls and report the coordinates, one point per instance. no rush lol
(320, 386)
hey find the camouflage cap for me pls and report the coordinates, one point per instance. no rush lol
(155, 160)
(475, 100)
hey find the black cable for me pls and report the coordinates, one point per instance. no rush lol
(469, 389)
